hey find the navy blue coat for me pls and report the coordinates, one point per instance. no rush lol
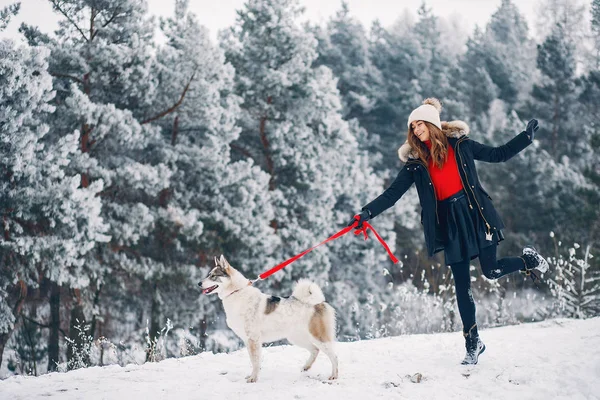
(466, 151)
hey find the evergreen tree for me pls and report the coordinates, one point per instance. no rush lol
(554, 97)
(499, 62)
(478, 88)
(414, 65)
(29, 347)
(291, 119)
(45, 234)
(510, 53)
(588, 117)
(212, 203)
(7, 13)
(395, 56)
(101, 59)
(571, 15)
(344, 48)
(436, 69)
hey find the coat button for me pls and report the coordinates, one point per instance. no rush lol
(473, 186)
(465, 165)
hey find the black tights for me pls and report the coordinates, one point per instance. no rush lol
(491, 268)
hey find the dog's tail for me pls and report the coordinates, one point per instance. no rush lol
(308, 292)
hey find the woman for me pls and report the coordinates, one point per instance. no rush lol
(457, 213)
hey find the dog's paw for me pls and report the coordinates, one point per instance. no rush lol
(333, 377)
(251, 379)
(306, 368)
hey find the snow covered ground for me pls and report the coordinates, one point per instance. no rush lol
(555, 359)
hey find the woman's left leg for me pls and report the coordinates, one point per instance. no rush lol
(493, 268)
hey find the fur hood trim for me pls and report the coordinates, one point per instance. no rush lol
(452, 129)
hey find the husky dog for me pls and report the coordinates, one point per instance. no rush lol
(304, 319)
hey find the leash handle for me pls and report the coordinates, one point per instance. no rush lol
(344, 231)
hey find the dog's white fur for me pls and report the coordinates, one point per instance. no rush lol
(304, 319)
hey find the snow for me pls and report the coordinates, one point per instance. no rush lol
(555, 359)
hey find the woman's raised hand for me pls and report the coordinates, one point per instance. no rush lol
(532, 127)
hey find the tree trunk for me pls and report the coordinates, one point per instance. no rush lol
(3, 340)
(53, 343)
(101, 342)
(95, 317)
(154, 332)
(21, 289)
(77, 354)
(29, 330)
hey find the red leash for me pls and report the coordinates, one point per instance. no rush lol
(364, 228)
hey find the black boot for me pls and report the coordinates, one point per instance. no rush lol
(474, 346)
(533, 260)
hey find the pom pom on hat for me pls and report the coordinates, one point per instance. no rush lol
(432, 101)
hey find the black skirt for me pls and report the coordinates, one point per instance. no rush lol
(463, 229)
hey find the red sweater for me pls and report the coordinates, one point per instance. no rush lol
(446, 180)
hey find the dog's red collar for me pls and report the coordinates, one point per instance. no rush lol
(249, 284)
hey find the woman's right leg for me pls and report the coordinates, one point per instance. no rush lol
(464, 297)
(466, 307)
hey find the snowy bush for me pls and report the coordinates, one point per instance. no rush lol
(575, 283)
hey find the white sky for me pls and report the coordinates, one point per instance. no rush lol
(219, 14)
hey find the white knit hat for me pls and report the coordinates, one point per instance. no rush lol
(429, 111)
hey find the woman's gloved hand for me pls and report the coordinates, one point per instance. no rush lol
(532, 127)
(363, 216)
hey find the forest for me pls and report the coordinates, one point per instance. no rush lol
(135, 149)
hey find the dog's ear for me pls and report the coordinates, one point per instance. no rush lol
(224, 263)
(216, 262)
